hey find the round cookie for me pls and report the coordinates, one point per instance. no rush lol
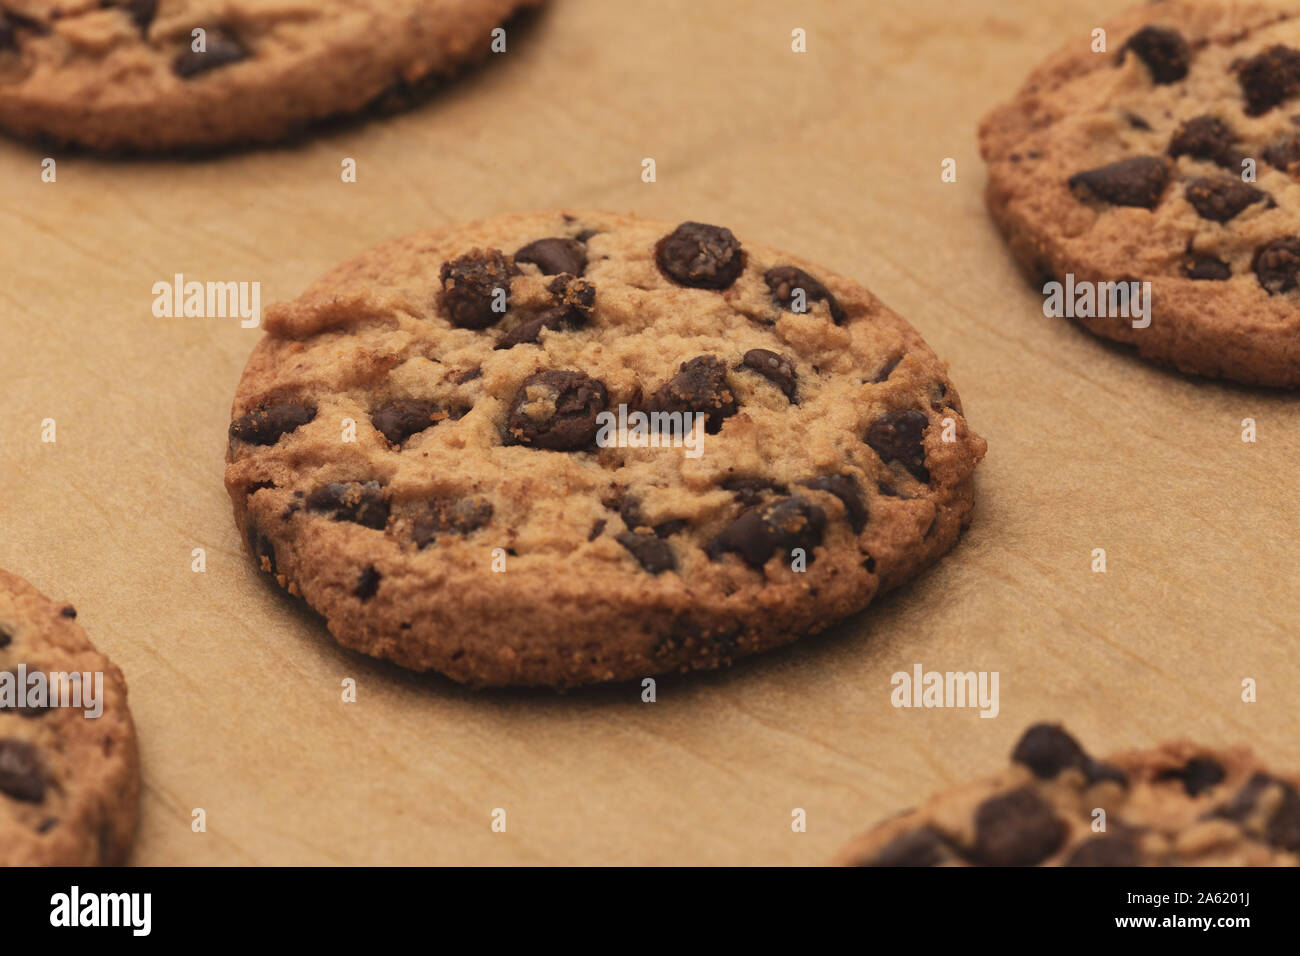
(1128, 166)
(69, 782)
(1178, 805)
(431, 475)
(125, 75)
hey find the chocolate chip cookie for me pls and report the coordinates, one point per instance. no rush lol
(139, 74)
(1179, 805)
(1172, 158)
(69, 773)
(425, 447)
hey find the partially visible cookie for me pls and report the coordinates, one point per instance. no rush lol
(1127, 165)
(1178, 805)
(126, 74)
(416, 449)
(69, 780)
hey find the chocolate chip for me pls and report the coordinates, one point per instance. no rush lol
(141, 12)
(1136, 121)
(221, 49)
(782, 281)
(459, 516)
(266, 423)
(68, 611)
(629, 509)
(776, 368)
(399, 420)
(557, 410)
(1283, 827)
(887, 369)
(1221, 199)
(1277, 263)
(1285, 154)
(655, 555)
(1138, 181)
(355, 501)
(700, 386)
(597, 529)
(923, 847)
(845, 488)
(700, 256)
(749, 489)
(470, 285)
(367, 583)
(1164, 51)
(1268, 78)
(7, 41)
(1047, 749)
(5, 638)
(1205, 137)
(898, 436)
(1107, 850)
(20, 771)
(756, 535)
(1198, 775)
(555, 255)
(1203, 266)
(1094, 771)
(1016, 829)
(575, 300)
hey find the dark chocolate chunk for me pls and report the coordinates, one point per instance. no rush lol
(220, 49)
(20, 771)
(899, 436)
(557, 410)
(1138, 181)
(1016, 829)
(555, 255)
(1221, 199)
(845, 488)
(360, 502)
(597, 529)
(758, 533)
(68, 611)
(459, 516)
(367, 583)
(1197, 775)
(470, 285)
(399, 420)
(1206, 267)
(776, 368)
(749, 489)
(266, 423)
(1111, 849)
(141, 12)
(1285, 154)
(700, 386)
(1164, 51)
(655, 554)
(923, 847)
(1277, 263)
(5, 638)
(700, 256)
(782, 281)
(1047, 749)
(1268, 78)
(887, 369)
(1205, 137)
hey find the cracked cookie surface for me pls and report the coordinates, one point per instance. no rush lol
(1128, 165)
(69, 783)
(479, 525)
(124, 74)
(1178, 805)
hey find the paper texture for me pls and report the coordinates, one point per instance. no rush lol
(833, 154)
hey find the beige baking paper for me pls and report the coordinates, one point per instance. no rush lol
(835, 154)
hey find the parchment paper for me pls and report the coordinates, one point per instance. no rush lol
(834, 154)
